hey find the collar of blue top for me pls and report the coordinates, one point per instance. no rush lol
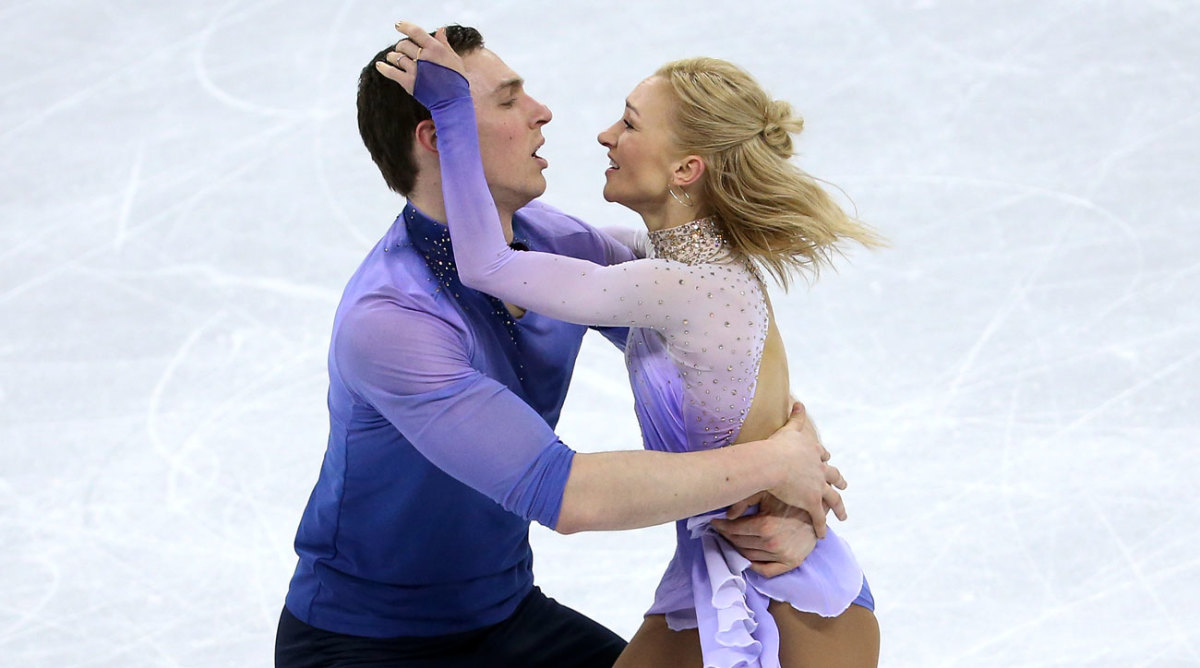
(432, 240)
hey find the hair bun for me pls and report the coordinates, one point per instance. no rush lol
(778, 127)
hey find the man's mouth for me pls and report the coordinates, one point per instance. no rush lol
(612, 164)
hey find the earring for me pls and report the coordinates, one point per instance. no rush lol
(686, 196)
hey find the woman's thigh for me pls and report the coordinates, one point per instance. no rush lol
(850, 640)
(655, 645)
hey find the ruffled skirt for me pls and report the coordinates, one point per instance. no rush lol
(710, 587)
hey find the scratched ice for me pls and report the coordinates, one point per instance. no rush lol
(1011, 387)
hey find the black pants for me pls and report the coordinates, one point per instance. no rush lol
(541, 633)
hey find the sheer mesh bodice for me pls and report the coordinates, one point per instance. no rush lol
(715, 344)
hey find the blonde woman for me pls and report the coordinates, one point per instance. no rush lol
(702, 154)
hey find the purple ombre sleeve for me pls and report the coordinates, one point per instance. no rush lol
(414, 368)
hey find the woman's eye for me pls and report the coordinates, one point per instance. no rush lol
(628, 125)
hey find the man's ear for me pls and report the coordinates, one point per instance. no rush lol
(688, 171)
(427, 136)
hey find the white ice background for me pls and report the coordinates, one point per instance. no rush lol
(1011, 388)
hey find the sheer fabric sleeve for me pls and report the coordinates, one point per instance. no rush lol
(637, 241)
(576, 238)
(589, 243)
(413, 367)
(646, 293)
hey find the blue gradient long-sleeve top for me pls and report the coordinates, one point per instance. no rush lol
(441, 449)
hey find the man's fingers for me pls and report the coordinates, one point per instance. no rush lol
(796, 424)
(818, 517)
(834, 477)
(799, 417)
(832, 500)
(798, 410)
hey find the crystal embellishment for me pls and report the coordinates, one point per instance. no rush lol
(697, 242)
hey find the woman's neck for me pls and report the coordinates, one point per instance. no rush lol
(671, 215)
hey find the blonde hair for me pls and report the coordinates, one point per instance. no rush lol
(767, 208)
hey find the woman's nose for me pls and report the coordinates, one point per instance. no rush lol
(601, 137)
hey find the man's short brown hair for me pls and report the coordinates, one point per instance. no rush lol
(388, 116)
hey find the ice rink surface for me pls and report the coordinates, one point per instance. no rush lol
(1011, 388)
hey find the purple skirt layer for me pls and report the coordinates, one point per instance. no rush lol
(708, 586)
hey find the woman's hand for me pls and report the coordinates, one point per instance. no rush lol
(418, 45)
(776, 539)
(808, 482)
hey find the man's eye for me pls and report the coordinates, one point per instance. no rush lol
(508, 104)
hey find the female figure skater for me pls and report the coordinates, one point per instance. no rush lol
(702, 154)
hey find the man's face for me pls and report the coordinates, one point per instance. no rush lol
(510, 130)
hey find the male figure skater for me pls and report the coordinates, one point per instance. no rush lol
(414, 545)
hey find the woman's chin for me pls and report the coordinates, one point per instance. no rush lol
(611, 195)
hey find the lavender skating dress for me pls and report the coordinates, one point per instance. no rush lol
(698, 320)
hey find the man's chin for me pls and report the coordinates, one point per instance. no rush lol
(523, 197)
(539, 188)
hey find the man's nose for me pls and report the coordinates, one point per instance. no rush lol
(542, 114)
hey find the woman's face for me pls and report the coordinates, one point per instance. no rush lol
(641, 149)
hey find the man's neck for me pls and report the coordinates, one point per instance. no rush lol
(435, 208)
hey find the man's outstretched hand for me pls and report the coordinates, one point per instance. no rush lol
(809, 483)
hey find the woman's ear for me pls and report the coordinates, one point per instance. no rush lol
(688, 171)
(427, 136)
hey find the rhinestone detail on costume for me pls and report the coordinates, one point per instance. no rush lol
(696, 242)
(717, 351)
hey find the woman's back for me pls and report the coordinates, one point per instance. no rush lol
(717, 374)
(772, 397)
